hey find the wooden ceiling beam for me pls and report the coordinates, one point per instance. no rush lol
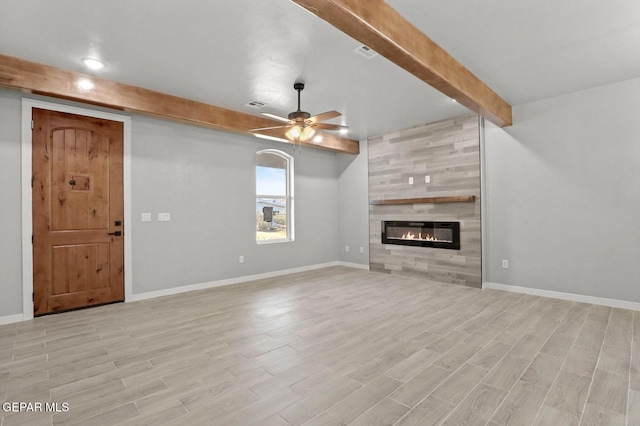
(377, 25)
(59, 83)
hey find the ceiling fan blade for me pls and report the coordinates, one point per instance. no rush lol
(327, 126)
(276, 117)
(324, 116)
(268, 128)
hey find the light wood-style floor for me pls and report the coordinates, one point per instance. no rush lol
(329, 347)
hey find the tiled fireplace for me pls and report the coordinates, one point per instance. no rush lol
(424, 202)
(444, 235)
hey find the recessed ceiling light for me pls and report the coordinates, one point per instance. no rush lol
(453, 100)
(92, 63)
(344, 131)
(85, 85)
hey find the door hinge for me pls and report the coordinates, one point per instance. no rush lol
(31, 238)
(32, 124)
(32, 181)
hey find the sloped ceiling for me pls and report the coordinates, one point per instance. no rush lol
(227, 53)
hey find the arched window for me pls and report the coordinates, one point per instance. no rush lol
(274, 196)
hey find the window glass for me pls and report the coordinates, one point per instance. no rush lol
(271, 181)
(274, 196)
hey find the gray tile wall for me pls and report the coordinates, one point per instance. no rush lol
(449, 153)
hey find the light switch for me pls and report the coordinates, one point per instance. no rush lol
(145, 217)
(427, 179)
(411, 180)
(164, 217)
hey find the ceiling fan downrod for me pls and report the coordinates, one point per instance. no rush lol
(299, 115)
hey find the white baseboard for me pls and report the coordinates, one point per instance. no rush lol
(230, 281)
(354, 265)
(10, 319)
(573, 297)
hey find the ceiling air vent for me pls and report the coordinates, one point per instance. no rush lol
(365, 51)
(255, 104)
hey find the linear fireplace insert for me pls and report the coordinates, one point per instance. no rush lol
(444, 235)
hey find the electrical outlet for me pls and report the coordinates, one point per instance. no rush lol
(164, 217)
(145, 217)
(241, 259)
(505, 263)
(411, 180)
(346, 248)
(361, 249)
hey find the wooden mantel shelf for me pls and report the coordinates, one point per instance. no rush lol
(460, 199)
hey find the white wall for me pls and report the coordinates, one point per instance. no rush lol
(10, 212)
(563, 194)
(206, 180)
(353, 203)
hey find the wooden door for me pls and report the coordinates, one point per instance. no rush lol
(78, 243)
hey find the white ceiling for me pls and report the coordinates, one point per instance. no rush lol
(227, 53)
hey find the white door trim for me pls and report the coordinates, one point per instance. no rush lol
(27, 219)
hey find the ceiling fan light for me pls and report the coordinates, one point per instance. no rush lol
(293, 133)
(317, 139)
(307, 133)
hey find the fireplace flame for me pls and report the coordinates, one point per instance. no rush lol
(411, 236)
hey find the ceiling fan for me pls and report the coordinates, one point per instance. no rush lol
(302, 127)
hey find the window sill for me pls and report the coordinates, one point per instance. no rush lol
(284, 240)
